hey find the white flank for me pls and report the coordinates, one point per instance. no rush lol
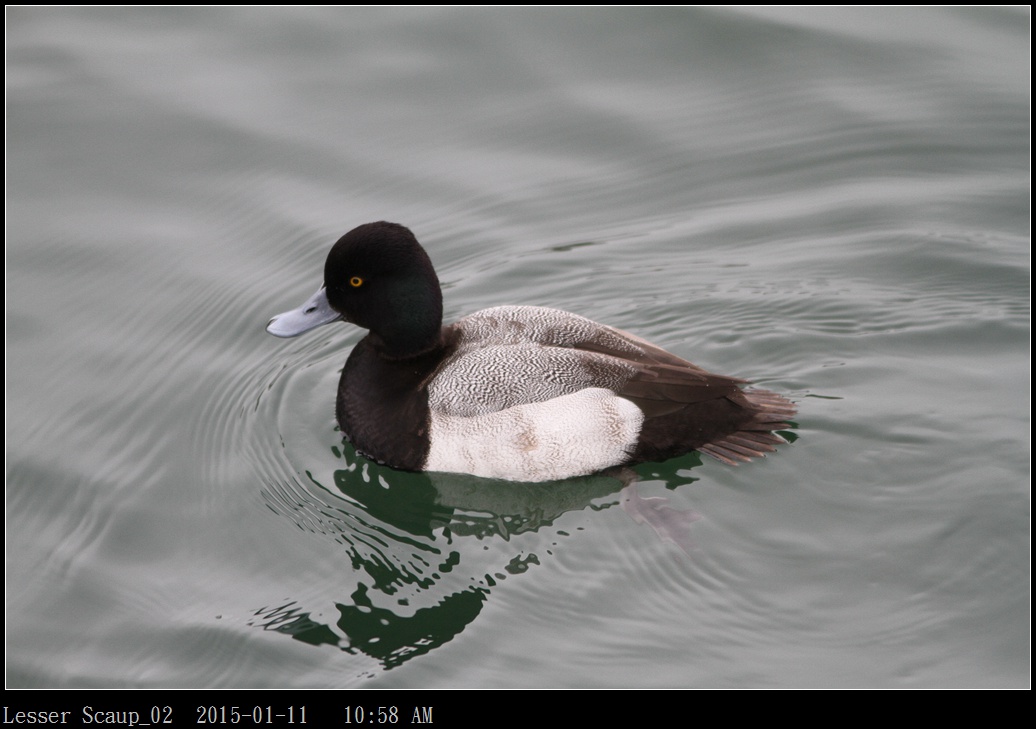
(568, 436)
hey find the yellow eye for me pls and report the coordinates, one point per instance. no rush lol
(356, 282)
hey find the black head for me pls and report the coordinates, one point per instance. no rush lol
(379, 277)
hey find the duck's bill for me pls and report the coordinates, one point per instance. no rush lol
(312, 314)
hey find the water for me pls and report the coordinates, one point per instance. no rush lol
(831, 202)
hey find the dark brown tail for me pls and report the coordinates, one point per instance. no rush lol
(756, 438)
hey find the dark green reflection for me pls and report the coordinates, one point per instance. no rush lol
(377, 632)
(410, 533)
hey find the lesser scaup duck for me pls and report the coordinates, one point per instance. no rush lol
(522, 393)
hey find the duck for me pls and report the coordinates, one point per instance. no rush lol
(516, 393)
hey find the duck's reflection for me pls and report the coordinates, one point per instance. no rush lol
(378, 632)
(426, 547)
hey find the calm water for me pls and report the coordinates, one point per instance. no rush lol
(831, 202)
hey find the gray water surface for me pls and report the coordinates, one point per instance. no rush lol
(834, 203)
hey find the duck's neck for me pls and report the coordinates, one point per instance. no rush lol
(405, 348)
(415, 326)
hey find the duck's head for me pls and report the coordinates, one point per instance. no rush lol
(377, 276)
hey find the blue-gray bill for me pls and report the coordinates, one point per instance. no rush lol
(315, 312)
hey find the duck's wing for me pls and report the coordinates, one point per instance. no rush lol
(556, 328)
(495, 376)
(632, 366)
(686, 405)
(553, 328)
